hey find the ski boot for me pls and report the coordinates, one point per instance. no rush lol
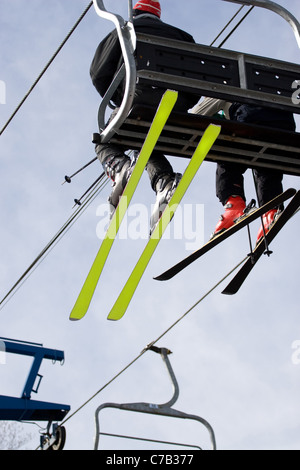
(234, 210)
(268, 220)
(164, 188)
(119, 170)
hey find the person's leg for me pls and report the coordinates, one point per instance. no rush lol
(118, 167)
(268, 186)
(107, 152)
(157, 167)
(230, 181)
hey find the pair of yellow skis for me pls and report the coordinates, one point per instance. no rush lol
(84, 299)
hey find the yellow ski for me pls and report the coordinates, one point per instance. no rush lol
(204, 146)
(163, 112)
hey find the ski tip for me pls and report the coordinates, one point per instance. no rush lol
(112, 317)
(116, 313)
(72, 318)
(76, 316)
(291, 191)
(228, 292)
(161, 277)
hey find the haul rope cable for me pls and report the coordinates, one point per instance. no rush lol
(227, 24)
(53, 242)
(235, 28)
(46, 68)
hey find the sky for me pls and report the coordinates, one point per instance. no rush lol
(236, 359)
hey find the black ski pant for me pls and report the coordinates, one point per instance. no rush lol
(268, 182)
(158, 165)
(230, 182)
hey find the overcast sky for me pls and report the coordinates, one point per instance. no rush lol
(232, 356)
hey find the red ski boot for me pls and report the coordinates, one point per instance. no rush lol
(234, 209)
(269, 220)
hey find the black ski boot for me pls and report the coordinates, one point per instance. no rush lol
(164, 188)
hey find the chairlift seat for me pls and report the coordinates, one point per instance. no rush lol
(252, 145)
(217, 73)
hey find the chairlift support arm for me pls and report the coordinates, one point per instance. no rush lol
(127, 40)
(153, 409)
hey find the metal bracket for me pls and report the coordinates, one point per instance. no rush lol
(276, 8)
(153, 409)
(55, 440)
(23, 408)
